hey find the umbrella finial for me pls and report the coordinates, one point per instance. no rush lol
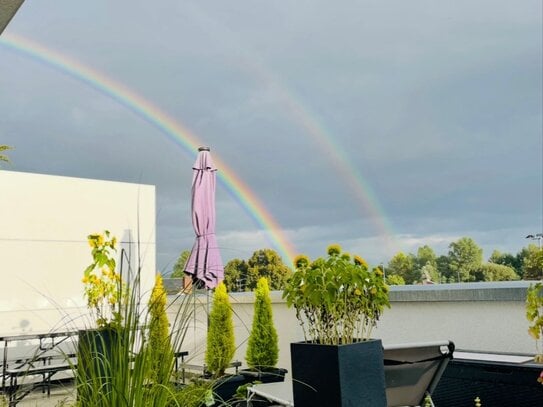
(204, 149)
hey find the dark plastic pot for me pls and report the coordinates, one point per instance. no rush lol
(265, 375)
(350, 375)
(226, 386)
(94, 358)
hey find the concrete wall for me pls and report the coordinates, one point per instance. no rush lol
(479, 316)
(44, 222)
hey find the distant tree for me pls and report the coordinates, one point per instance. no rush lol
(443, 270)
(465, 257)
(520, 257)
(494, 272)
(532, 266)
(429, 272)
(266, 263)
(395, 279)
(426, 263)
(402, 265)
(425, 255)
(235, 275)
(3, 157)
(179, 266)
(506, 259)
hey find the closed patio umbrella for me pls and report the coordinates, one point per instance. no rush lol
(204, 264)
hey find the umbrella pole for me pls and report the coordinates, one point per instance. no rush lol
(207, 301)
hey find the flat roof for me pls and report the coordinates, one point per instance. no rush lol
(8, 8)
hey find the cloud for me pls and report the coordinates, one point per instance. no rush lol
(436, 107)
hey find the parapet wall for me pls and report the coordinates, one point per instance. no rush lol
(475, 316)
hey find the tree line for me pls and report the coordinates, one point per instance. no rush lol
(463, 263)
(243, 275)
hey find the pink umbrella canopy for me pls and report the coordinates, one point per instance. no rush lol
(204, 264)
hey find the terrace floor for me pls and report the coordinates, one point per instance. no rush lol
(61, 394)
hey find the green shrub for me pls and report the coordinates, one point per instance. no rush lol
(534, 314)
(262, 349)
(220, 336)
(196, 394)
(120, 377)
(159, 351)
(337, 300)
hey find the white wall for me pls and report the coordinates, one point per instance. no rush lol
(44, 222)
(496, 323)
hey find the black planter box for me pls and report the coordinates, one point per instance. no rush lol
(95, 351)
(350, 375)
(95, 361)
(267, 375)
(497, 384)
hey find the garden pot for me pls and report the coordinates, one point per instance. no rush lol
(94, 358)
(265, 374)
(226, 386)
(350, 375)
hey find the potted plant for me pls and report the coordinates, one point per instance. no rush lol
(118, 361)
(159, 350)
(221, 346)
(534, 314)
(263, 348)
(104, 291)
(338, 302)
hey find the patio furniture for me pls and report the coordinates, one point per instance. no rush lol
(46, 371)
(498, 379)
(31, 360)
(36, 347)
(411, 372)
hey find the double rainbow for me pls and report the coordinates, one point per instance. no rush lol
(149, 112)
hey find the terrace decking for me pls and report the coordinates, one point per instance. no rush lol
(36, 365)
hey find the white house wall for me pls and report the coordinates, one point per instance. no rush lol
(44, 222)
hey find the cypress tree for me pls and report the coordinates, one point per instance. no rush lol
(220, 335)
(262, 349)
(159, 348)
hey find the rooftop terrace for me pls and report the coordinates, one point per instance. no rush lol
(484, 317)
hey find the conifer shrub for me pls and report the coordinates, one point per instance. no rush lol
(262, 349)
(220, 336)
(160, 350)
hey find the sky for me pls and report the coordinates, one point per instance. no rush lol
(381, 126)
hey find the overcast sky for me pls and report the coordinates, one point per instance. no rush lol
(380, 125)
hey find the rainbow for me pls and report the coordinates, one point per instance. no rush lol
(152, 114)
(347, 172)
(298, 111)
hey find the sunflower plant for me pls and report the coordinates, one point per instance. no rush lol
(337, 299)
(104, 288)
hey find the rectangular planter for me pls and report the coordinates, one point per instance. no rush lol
(94, 362)
(350, 375)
